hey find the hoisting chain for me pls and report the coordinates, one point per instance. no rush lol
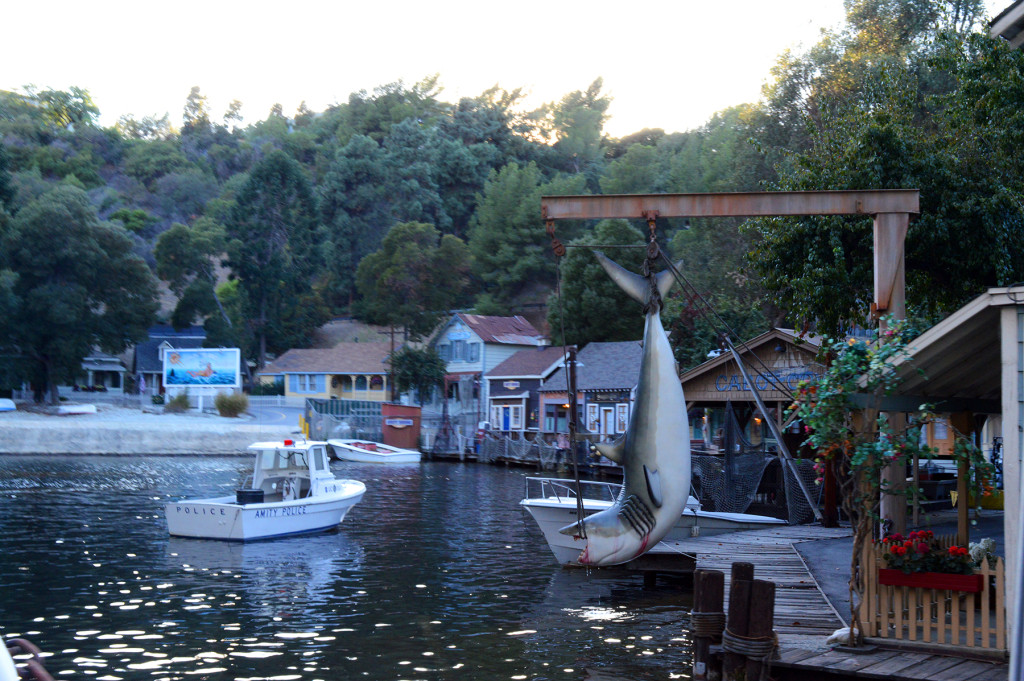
(653, 253)
(556, 246)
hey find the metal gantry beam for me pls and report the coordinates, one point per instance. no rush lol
(732, 204)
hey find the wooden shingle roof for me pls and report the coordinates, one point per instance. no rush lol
(511, 330)
(343, 358)
(602, 366)
(531, 362)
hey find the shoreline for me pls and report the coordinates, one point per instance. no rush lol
(121, 431)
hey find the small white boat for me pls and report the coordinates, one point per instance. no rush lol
(553, 503)
(368, 451)
(291, 491)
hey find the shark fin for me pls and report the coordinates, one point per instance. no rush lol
(612, 450)
(633, 284)
(653, 485)
(665, 279)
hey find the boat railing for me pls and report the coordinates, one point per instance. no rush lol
(560, 489)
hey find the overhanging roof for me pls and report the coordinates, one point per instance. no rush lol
(1010, 24)
(956, 364)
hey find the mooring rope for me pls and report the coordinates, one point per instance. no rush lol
(759, 648)
(708, 625)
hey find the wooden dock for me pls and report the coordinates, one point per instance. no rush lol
(804, 617)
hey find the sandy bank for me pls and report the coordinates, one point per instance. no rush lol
(116, 430)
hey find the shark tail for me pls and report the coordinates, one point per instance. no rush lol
(634, 284)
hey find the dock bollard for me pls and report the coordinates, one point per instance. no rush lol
(707, 621)
(749, 640)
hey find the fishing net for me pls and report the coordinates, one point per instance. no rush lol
(747, 478)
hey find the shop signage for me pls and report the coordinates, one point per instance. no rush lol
(608, 397)
(727, 382)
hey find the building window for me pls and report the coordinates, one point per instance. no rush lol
(474, 353)
(360, 383)
(517, 418)
(346, 384)
(458, 350)
(376, 382)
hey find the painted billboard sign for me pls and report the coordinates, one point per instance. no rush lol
(196, 367)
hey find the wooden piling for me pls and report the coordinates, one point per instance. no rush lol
(707, 616)
(734, 664)
(760, 627)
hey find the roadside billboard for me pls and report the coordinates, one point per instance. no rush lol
(202, 367)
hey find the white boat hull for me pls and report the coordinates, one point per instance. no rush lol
(224, 518)
(359, 451)
(552, 514)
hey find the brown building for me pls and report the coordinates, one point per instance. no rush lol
(776, 361)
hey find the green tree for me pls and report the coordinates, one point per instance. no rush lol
(512, 253)
(65, 109)
(148, 161)
(578, 122)
(79, 285)
(880, 115)
(418, 369)
(590, 306)
(186, 258)
(148, 128)
(272, 251)
(196, 113)
(134, 220)
(413, 280)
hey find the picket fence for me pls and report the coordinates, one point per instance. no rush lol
(971, 622)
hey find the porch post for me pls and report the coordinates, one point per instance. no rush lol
(890, 231)
(1011, 341)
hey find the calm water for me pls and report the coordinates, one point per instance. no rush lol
(436, 574)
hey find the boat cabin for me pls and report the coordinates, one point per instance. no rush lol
(289, 470)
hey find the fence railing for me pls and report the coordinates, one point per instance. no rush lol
(935, 616)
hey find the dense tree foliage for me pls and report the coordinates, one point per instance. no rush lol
(70, 283)
(903, 99)
(263, 228)
(413, 279)
(589, 306)
(273, 252)
(418, 370)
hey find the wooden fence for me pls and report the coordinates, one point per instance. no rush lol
(970, 622)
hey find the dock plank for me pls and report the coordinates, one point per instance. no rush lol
(803, 615)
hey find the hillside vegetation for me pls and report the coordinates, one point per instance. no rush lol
(397, 205)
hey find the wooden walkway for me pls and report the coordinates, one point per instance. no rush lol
(804, 617)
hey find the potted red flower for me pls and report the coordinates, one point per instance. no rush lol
(918, 561)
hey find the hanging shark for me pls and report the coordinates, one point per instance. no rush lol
(655, 449)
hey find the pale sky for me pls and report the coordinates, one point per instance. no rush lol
(666, 63)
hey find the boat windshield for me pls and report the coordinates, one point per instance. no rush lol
(281, 459)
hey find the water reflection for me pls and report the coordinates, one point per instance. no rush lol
(435, 573)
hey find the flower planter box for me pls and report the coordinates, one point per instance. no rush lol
(930, 580)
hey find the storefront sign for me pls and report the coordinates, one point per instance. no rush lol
(727, 383)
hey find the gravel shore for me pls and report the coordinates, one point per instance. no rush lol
(117, 430)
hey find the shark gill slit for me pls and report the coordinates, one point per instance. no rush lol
(638, 516)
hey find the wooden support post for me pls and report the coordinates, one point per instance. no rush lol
(708, 612)
(964, 423)
(760, 625)
(742, 571)
(734, 665)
